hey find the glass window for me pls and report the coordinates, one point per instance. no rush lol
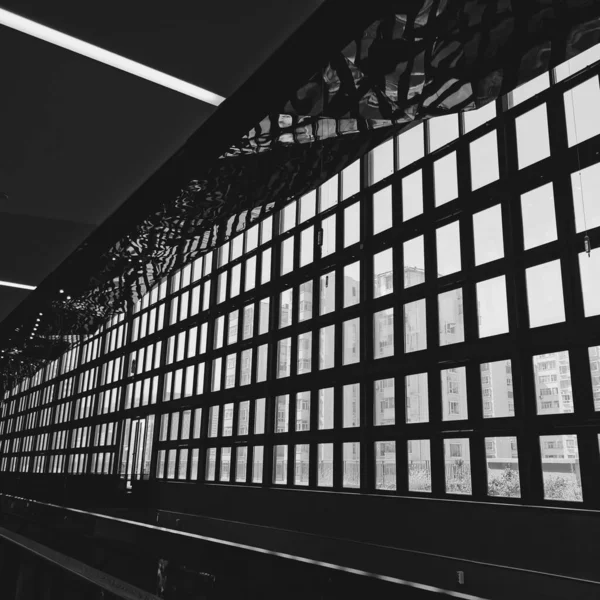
(327, 296)
(414, 262)
(351, 405)
(328, 246)
(224, 254)
(445, 176)
(287, 217)
(552, 377)
(186, 422)
(325, 465)
(415, 326)
(382, 210)
(305, 301)
(252, 238)
(585, 184)
(246, 367)
(285, 308)
(308, 206)
(458, 466)
(352, 225)
(326, 408)
(236, 274)
(351, 180)
(545, 294)
(219, 331)
(284, 352)
(282, 405)
(228, 420)
(213, 421)
(502, 460)
(263, 317)
(211, 463)
(539, 217)
(303, 411)
(492, 310)
(243, 417)
(472, 119)
(287, 255)
(411, 146)
(384, 404)
(241, 463)
(381, 162)
(327, 347)
(442, 130)
(589, 267)
(304, 353)
(528, 90)
(307, 246)
(412, 195)
(259, 416)
(484, 160)
(351, 341)
(266, 230)
(562, 477)
(497, 389)
(248, 327)
(383, 333)
(222, 287)
(257, 464)
(416, 398)
(328, 194)
(581, 111)
(351, 284)
(577, 63)
(454, 394)
(261, 363)
(280, 464)
(301, 461)
(533, 143)
(250, 277)
(237, 246)
(232, 327)
(385, 465)
(265, 274)
(216, 380)
(383, 273)
(448, 249)
(450, 306)
(351, 464)
(419, 466)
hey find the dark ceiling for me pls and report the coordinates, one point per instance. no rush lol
(78, 137)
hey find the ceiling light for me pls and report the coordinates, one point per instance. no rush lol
(104, 56)
(21, 286)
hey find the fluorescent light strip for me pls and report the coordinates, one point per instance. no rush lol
(21, 286)
(104, 56)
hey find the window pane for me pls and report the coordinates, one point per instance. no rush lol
(285, 308)
(491, 307)
(232, 327)
(301, 460)
(452, 330)
(383, 273)
(326, 408)
(329, 236)
(385, 465)
(241, 463)
(284, 352)
(305, 301)
(528, 90)
(211, 463)
(497, 389)
(351, 341)
(552, 376)
(287, 217)
(261, 363)
(328, 194)
(280, 464)
(581, 111)
(265, 274)
(282, 413)
(415, 328)
(213, 421)
(589, 267)
(216, 379)
(351, 405)
(454, 394)
(545, 294)
(533, 143)
(502, 460)
(458, 466)
(594, 354)
(351, 180)
(308, 206)
(442, 130)
(263, 317)
(419, 466)
(382, 210)
(412, 195)
(411, 146)
(539, 218)
(577, 63)
(484, 160)
(259, 416)
(448, 249)
(327, 296)
(381, 162)
(446, 180)
(383, 333)
(560, 468)
(228, 420)
(307, 246)
(304, 353)
(303, 411)
(266, 230)
(352, 225)
(325, 465)
(351, 284)
(474, 118)
(252, 238)
(384, 404)
(414, 262)
(243, 417)
(351, 465)
(250, 278)
(222, 285)
(257, 464)
(287, 255)
(248, 329)
(417, 398)
(327, 347)
(585, 184)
